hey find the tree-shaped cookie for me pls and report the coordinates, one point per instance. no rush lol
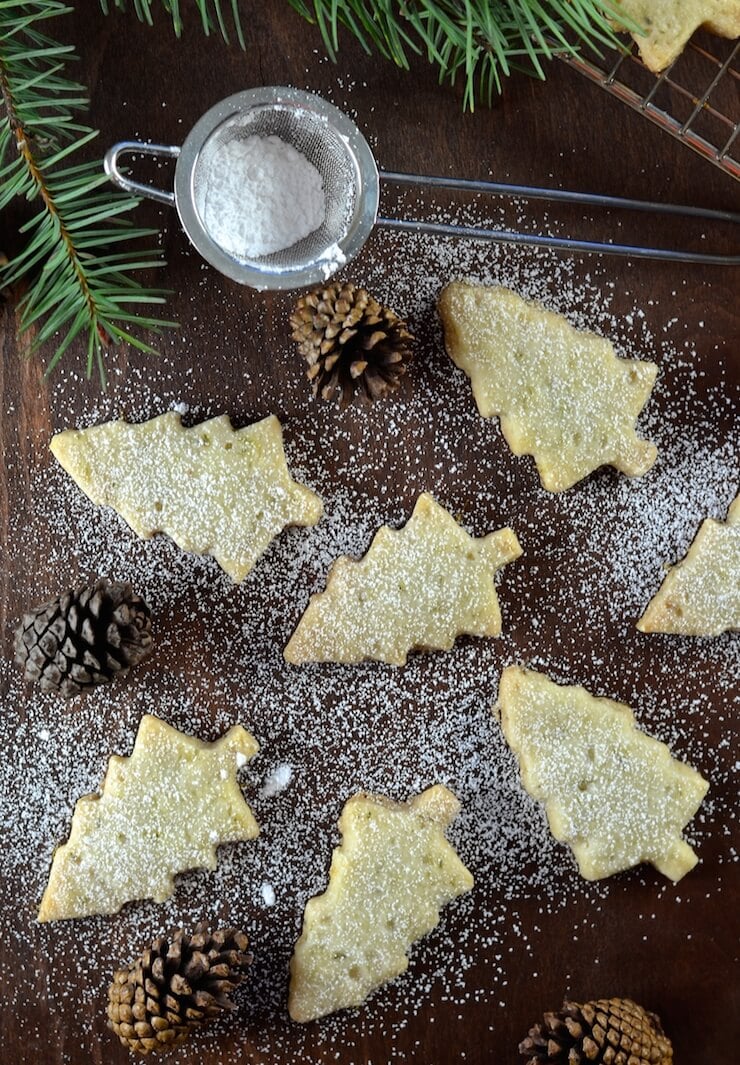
(417, 588)
(562, 395)
(388, 881)
(610, 791)
(161, 811)
(668, 24)
(700, 596)
(213, 489)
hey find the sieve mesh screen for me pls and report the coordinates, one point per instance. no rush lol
(313, 136)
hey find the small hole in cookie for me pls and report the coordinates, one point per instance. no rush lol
(157, 505)
(205, 438)
(591, 754)
(354, 972)
(228, 447)
(583, 785)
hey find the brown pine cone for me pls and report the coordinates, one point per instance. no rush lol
(351, 343)
(85, 637)
(176, 985)
(614, 1031)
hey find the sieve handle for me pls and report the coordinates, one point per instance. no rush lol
(113, 170)
(494, 188)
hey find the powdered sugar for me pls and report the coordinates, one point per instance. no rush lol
(278, 780)
(261, 196)
(592, 559)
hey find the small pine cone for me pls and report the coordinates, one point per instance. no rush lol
(350, 342)
(175, 986)
(614, 1031)
(84, 637)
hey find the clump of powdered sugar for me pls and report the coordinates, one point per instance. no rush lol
(261, 195)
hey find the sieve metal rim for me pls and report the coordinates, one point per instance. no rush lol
(358, 151)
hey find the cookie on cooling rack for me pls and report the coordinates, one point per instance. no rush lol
(670, 23)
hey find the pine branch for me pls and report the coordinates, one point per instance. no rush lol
(75, 284)
(211, 13)
(480, 41)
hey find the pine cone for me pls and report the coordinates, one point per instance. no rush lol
(614, 1031)
(351, 342)
(176, 985)
(84, 637)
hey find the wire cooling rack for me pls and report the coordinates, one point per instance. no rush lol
(694, 99)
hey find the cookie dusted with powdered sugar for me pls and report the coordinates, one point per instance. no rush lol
(700, 596)
(214, 489)
(388, 881)
(562, 395)
(417, 588)
(613, 793)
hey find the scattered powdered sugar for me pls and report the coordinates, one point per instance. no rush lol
(261, 195)
(592, 558)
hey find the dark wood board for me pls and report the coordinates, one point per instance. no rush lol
(232, 354)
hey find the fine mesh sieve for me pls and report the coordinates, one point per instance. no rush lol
(331, 141)
(320, 143)
(325, 136)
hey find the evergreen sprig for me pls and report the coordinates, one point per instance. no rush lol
(479, 41)
(210, 12)
(76, 283)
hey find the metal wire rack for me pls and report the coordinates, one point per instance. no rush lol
(693, 99)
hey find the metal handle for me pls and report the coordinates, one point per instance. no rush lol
(112, 169)
(558, 243)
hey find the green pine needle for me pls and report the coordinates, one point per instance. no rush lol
(74, 286)
(210, 12)
(478, 41)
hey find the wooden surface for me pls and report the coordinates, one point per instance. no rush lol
(680, 960)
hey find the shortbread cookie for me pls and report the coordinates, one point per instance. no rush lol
(417, 588)
(162, 810)
(613, 793)
(670, 24)
(388, 881)
(701, 595)
(562, 395)
(215, 490)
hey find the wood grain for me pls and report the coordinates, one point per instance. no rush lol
(564, 133)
